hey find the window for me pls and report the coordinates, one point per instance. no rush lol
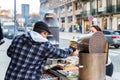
(118, 5)
(109, 2)
(93, 4)
(116, 33)
(118, 2)
(99, 3)
(69, 18)
(63, 20)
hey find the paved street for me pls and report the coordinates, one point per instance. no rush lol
(4, 59)
(115, 58)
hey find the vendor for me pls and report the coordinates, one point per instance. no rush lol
(29, 53)
(109, 65)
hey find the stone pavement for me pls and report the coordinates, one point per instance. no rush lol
(4, 59)
(68, 35)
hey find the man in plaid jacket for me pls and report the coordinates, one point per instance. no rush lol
(29, 52)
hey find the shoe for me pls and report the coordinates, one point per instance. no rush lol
(1, 42)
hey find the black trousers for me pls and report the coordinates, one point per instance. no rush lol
(1, 33)
(109, 69)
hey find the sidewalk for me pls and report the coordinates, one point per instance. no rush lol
(4, 59)
(69, 35)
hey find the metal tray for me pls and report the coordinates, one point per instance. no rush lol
(48, 77)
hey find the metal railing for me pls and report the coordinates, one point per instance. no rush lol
(117, 8)
(93, 12)
(113, 9)
(110, 9)
(105, 10)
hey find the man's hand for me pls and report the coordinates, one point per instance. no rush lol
(75, 53)
(74, 44)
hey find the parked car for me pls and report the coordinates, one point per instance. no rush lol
(21, 29)
(9, 32)
(5, 31)
(117, 31)
(113, 38)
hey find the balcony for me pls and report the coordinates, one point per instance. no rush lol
(113, 9)
(78, 11)
(84, 13)
(93, 11)
(62, 15)
(117, 8)
(102, 10)
(110, 9)
(69, 13)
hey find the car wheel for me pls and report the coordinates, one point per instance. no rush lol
(116, 46)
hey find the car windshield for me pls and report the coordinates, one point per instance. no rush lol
(116, 33)
(9, 27)
(111, 33)
(106, 32)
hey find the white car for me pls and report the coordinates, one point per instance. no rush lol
(9, 31)
(112, 37)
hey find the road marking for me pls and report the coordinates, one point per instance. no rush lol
(114, 53)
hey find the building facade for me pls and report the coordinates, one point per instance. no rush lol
(5, 15)
(70, 12)
(25, 12)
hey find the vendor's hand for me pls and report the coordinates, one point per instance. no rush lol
(75, 53)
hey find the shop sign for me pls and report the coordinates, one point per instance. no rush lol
(90, 18)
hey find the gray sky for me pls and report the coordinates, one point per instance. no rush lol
(9, 4)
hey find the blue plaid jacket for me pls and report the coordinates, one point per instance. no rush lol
(28, 58)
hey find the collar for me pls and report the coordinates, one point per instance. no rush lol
(37, 37)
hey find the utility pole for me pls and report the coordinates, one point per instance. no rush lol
(14, 18)
(39, 7)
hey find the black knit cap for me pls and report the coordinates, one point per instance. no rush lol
(41, 26)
